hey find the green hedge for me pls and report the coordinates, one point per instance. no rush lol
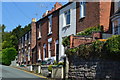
(109, 49)
(66, 41)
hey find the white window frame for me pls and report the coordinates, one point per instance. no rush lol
(116, 25)
(28, 53)
(39, 54)
(39, 31)
(25, 36)
(66, 14)
(50, 25)
(44, 54)
(82, 9)
(49, 47)
(56, 42)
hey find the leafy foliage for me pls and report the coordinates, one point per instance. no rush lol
(66, 41)
(50, 68)
(8, 55)
(10, 42)
(98, 49)
(90, 30)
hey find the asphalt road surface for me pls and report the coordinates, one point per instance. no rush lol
(10, 73)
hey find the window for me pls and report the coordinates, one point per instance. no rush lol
(57, 50)
(39, 31)
(82, 9)
(25, 36)
(44, 51)
(29, 36)
(39, 58)
(39, 53)
(50, 25)
(28, 53)
(116, 27)
(49, 47)
(67, 17)
(22, 39)
(119, 4)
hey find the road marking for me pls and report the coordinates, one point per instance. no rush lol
(29, 72)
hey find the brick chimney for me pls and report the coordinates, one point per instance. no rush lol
(56, 6)
(33, 33)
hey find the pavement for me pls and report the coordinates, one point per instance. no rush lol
(11, 73)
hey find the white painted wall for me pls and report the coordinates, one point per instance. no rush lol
(72, 27)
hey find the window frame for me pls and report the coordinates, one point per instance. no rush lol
(39, 31)
(68, 13)
(82, 6)
(116, 27)
(50, 24)
(44, 51)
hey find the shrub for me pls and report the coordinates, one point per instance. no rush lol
(90, 30)
(8, 55)
(60, 63)
(66, 41)
(50, 68)
(109, 49)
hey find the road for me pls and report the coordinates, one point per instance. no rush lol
(10, 73)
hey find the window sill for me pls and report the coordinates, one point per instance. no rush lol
(49, 33)
(82, 17)
(39, 37)
(66, 26)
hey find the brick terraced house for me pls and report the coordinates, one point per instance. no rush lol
(47, 33)
(24, 49)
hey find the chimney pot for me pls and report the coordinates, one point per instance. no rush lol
(33, 19)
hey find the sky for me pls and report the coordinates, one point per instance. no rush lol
(21, 13)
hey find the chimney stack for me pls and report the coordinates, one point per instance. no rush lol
(33, 33)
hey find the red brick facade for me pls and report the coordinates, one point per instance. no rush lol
(44, 33)
(97, 13)
(78, 40)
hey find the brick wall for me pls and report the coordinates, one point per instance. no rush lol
(106, 10)
(44, 33)
(97, 13)
(78, 40)
(92, 16)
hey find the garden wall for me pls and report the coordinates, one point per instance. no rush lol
(93, 68)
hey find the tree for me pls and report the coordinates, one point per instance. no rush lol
(8, 55)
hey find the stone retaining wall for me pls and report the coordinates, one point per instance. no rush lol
(93, 69)
(57, 72)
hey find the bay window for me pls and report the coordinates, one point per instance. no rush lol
(116, 27)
